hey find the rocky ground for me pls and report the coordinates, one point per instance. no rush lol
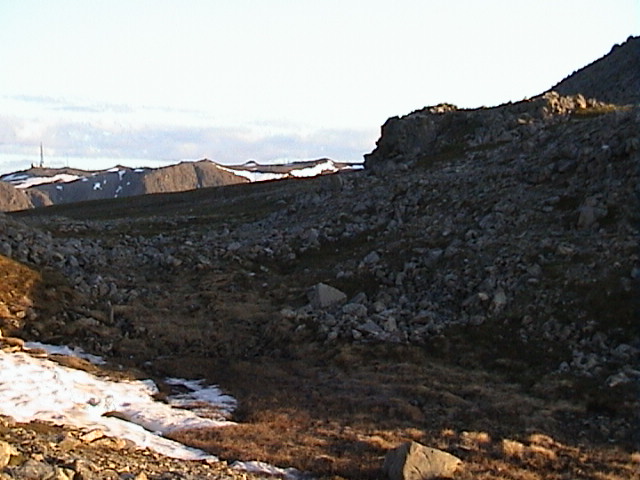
(475, 289)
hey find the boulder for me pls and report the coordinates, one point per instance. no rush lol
(413, 461)
(6, 452)
(325, 296)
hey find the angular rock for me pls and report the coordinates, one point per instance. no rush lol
(413, 461)
(356, 309)
(325, 296)
(6, 451)
(34, 469)
(370, 327)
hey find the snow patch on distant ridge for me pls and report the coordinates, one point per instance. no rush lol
(22, 181)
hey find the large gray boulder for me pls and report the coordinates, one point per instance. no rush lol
(413, 461)
(325, 296)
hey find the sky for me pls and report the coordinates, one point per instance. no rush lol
(154, 82)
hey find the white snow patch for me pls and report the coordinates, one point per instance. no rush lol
(40, 389)
(262, 468)
(65, 350)
(314, 171)
(14, 177)
(97, 186)
(257, 176)
(33, 181)
(199, 398)
(121, 174)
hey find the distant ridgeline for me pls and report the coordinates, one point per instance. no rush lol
(435, 133)
(38, 186)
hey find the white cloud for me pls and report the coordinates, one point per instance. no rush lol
(75, 133)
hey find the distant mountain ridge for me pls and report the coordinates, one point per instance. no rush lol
(48, 186)
(39, 187)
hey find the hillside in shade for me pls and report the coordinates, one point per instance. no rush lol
(614, 78)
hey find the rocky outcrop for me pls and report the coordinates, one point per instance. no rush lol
(187, 176)
(38, 198)
(13, 199)
(441, 132)
(614, 78)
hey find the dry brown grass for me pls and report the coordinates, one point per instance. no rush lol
(336, 422)
(596, 111)
(17, 285)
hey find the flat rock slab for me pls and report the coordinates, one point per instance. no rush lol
(413, 461)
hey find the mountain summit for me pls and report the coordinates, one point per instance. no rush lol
(614, 78)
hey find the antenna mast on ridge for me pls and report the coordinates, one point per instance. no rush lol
(41, 156)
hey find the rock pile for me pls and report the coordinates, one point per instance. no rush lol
(42, 451)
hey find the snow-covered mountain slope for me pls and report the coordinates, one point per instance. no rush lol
(45, 186)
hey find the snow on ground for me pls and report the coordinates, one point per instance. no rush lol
(256, 176)
(24, 181)
(314, 171)
(266, 469)
(199, 399)
(14, 177)
(65, 350)
(40, 389)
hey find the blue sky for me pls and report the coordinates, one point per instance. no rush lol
(159, 81)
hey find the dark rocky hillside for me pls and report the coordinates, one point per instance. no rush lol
(615, 78)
